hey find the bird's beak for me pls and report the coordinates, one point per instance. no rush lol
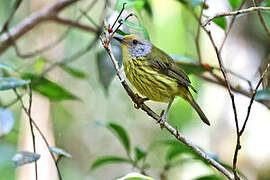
(119, 38)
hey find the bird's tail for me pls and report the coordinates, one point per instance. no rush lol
(193, 103)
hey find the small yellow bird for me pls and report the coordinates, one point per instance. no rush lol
(154, 73)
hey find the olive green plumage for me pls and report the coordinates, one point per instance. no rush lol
(154, 73)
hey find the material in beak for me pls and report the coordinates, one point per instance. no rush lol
(119, 38)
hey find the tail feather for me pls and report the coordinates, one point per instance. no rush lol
(193, 103)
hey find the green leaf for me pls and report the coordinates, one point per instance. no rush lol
(135, 176)
(210, 177)
(221, 22)
(60, 152)
(77, 73)
(190, 65)
(195, 3)
(24, 157)
(139, 27)
(262, 95)
(182, 1)
(144, 30)
(132, 25)
(6, 67)
(39, 64)
(148, 7)
(235, 3)
(139, 154)
(136, 4)
(108, 160)
(10, 83)
(192, 68)
(122, 33)
(176, 150)
(121, 134)
(6, 121)
(48, 88)
(182, 58)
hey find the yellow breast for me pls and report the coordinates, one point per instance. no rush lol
(147, 81)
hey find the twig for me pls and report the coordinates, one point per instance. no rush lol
(31, 126)
(252, 99)
(261, 19)
(228, 29)
(197, 38)
(40, 132)
(14, 9)
(232, 100)
(71, 58)
(234, 13)
(28, 23)
(56, 42)
(73, 24)
(136, 99)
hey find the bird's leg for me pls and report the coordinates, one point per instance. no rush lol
(164, 114)
(140, 101)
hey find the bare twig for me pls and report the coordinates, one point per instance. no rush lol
(14, 9)
(261, 19)
(56, 42)
(6, 40)
(70, 59)
(31, 126)
(252, 99)
(197, 38)
(232, 100)
(74, 24)
(228, 29)
(40, 132)
(136, 99)
(234, 13)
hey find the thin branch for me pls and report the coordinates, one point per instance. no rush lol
(234, 13)
(70, 59)
(40, 132)
(228, 29)
(232, 100)
(13, 11)
(261, 19)
(136, 99)
(30, 22)
(56, 42)
(74, 24)
(197, 38)
(252, 98)
(223, 84)
(31, 126)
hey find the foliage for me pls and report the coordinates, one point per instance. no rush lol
(174, 154)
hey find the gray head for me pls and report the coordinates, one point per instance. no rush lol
(137, 46)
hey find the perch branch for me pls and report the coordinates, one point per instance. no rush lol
(136, 99)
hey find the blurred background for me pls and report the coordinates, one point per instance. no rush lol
(81, 107)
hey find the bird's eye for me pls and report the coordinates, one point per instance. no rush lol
(135, 42)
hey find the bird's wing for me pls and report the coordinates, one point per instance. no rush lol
(164, 64)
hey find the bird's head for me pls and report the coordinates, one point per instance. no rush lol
(137, 47)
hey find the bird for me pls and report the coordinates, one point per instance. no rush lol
(155, 74)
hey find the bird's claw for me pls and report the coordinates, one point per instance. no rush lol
(140, 101)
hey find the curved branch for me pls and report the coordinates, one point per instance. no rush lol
(234, 13)
(48, 13)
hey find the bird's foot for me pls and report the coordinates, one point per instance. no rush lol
(162, 120)
(140, 101)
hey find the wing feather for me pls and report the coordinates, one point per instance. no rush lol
(168, 67)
